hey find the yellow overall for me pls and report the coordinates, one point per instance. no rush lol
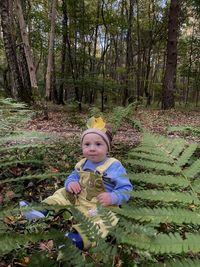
(91, 186)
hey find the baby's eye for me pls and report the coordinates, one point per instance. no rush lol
(98, 144)
(87, 144)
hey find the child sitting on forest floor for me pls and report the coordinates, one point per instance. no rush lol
(96, 179)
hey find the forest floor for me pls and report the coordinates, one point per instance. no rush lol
(67, 125)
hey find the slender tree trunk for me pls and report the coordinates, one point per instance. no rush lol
(129, 53)
(139, 65)
(50, 50)
(189, 68)
(63, 53)
(170, 69)
(27, 50)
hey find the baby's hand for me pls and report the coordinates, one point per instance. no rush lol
(74, 187)
(104, 199)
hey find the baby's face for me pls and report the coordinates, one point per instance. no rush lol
(94, 147)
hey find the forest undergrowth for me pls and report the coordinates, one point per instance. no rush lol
(158, 227)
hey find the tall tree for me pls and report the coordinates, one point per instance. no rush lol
(171, 61)
(50, 59)
(27, 50)
(18, 89)
(63, 53)
(129, 51)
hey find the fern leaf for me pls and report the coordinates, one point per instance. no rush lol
(154, 165)
(186, 155)
(25, 137)
(162, 243)
(24, 162)
(151, 157)
(185, 129)
(179, 263)
(178, 148)
(196, 185)
(151, 178)
(160, 215)
(20, 147)
(149, 150)
(166, 196)
(11, 241)
(193, 170)
(42, 176)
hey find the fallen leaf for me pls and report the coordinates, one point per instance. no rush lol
(47, 245)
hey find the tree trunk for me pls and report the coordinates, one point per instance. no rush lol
(129, 53)
(63, 53)
(139, 65)
(10, 50)
(189, 68)
(27, 50)
(171, 61)
(50, 51)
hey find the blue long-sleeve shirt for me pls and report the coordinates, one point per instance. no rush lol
(114, 178)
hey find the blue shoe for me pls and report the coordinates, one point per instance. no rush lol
(76, 239)
(32, 214)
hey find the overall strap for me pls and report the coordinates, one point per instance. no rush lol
(101, 169)
(79, 165)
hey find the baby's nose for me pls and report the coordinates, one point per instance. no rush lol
(92, 147)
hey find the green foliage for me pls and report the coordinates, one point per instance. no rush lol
(159, 226)
(117, 116)
(185, 130)
(12, 113)
(166, 178)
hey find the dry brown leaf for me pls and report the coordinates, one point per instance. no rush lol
(10, 194)
(46, 245)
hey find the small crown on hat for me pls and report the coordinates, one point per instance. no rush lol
(97, 123)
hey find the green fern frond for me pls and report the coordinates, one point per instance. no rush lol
(163, 243)
(21, 162)
(193, 170)
(166, 196)
(151, 178)
(118, 115)
(42, 176)
(185, 129)
(179, 147)
(69, 255)
(12, 103)
(160, 215)
(179, 263)
(11, 148)
(13, 241)
(158, 158)
(88, 227)
(25, 137)
(135, 124)
(196, 185)
(186, 155)
(147, 164)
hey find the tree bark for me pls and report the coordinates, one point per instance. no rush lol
(129, 52)
(171, 61)
(50, 51)
(27, 50)
(63, 53)
(10, 50)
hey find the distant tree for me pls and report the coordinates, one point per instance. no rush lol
(27, 51)
(171, 61)
(50, 61)
(16, 83)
